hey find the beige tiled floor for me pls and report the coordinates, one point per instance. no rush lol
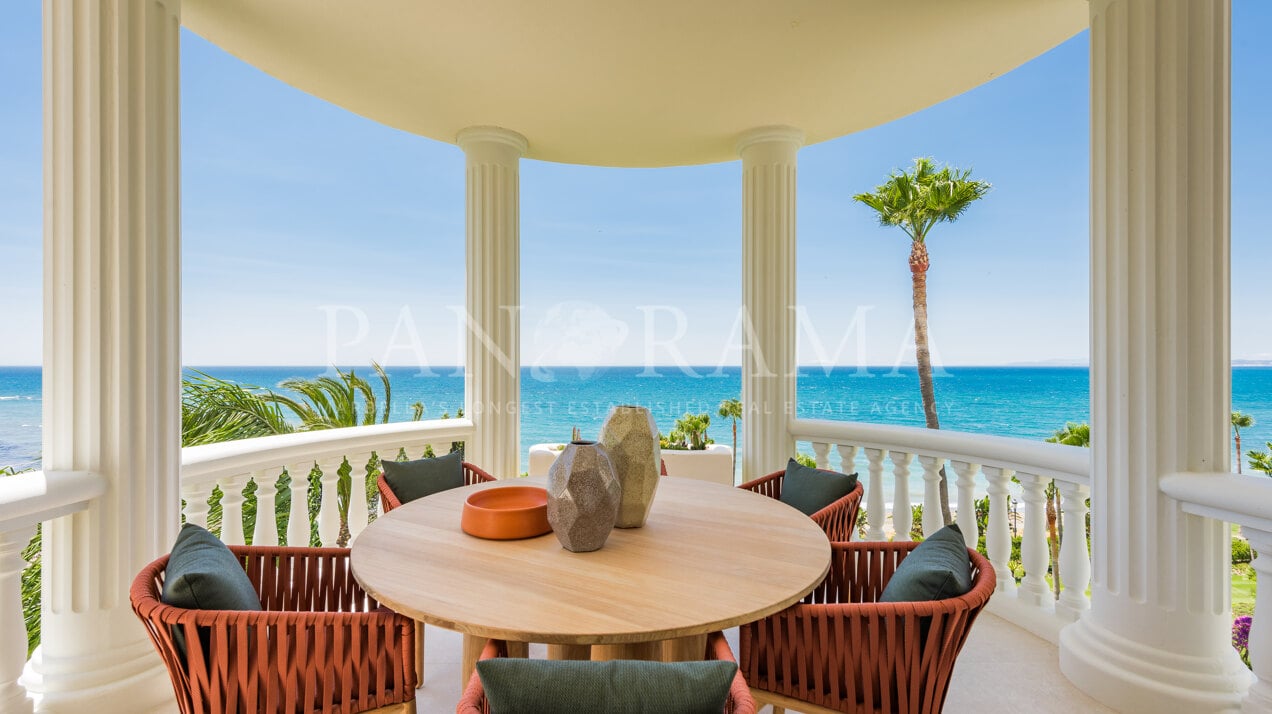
(1002, 669)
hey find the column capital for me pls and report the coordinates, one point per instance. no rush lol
(480, 136)
(777, 134)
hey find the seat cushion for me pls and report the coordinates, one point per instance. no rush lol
(202, 574)
(938, 568)
(617, 687)
(424, 477)
(811, 490)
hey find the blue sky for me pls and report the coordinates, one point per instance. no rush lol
(298, 216)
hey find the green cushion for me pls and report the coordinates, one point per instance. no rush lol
(938, 568)
(203, 574)
(811, 490)
(617, 687)
(416, 479)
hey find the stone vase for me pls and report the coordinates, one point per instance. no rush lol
(631, 439)
(583, 496)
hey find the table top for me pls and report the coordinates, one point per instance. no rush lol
(709, 557)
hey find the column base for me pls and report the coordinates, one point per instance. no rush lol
(122, 680)
(1131, 677)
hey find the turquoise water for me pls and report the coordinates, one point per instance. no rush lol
(1025, 402)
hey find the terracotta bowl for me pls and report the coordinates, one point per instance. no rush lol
(506, 513)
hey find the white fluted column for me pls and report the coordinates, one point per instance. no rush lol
(111, 341)
(492, 363)
(768, 295)
(1157, 637)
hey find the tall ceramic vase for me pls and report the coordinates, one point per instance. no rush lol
(583, 496)
(631, 438)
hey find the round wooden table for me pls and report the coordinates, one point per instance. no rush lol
(710, 557)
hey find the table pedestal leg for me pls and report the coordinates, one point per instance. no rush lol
(684, 649)
(473, 645)
(627, 650)
(582, 652)
(519, 650)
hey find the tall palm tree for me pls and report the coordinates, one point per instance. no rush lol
(732, 409)
(1072, 434)
(916, 201)
(1240, 420)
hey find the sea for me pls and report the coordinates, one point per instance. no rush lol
(1024, 402)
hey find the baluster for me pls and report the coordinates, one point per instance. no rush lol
(232, 508)
(196, 499)
(329, 506)
(901, 514)
(358, 511)
(822, 451)
(998, 539)
(847, 458)
(266, 529)
(933, 519)
(1033, 545)
(1075, 559)
(1259, 696)
(967, 501)
(13, 644)
(298, 517)
(875, 509)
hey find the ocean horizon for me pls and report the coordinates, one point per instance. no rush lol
(1028, 402)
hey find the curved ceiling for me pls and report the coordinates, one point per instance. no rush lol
(635, 83)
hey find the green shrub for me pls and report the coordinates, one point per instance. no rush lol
(1240, 551)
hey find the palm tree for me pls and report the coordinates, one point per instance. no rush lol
(732, 409)
(1240, 420)
(915, 201)
(1072, 434)
(1262, 460)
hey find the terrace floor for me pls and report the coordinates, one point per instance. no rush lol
(1001, 669)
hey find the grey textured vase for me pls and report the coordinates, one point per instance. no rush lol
(631, 439)
(583, 496)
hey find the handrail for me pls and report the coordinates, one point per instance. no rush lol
(207, 462)
(1066, 463)
(36, 496)
(1237, 498)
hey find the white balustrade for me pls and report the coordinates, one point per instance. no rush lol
(232, 508)
(329, 502)
(25, 501)
(265, 531)
(966, 515)
(821, 451)
(1033, 544)
(298, 513)
(875, 508)
(933, 519)
(901, 513)
(229, 465)
(1075, 558)
(992, 462)
(998, 539)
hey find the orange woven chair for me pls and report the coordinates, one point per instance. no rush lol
(389, 501)
(839, 650)
(839, 519)
(740, 700)
(320, 645)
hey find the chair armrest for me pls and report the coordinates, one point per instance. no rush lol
(770, 485)
(839, 519)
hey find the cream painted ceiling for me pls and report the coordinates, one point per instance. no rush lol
(635, 83)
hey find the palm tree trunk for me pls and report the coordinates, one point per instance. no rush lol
(919, 262)
(735, 448)
(1238, 452)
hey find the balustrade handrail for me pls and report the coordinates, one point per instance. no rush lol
(1236, 498)
(208, 462)
(1066, 463)
(36, 496)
